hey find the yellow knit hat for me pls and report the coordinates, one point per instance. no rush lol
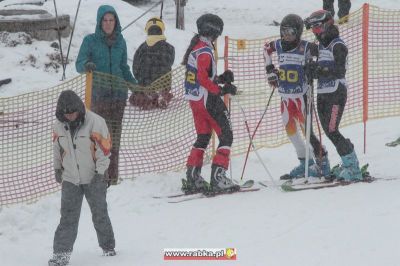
(155, 21)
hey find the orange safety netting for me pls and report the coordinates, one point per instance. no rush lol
(372, 36)
(159, 139)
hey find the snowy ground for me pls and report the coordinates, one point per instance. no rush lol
(353, 225)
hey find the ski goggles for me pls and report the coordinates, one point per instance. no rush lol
(288, 32)
(318, 27)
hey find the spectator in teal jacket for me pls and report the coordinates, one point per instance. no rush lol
(105, 51)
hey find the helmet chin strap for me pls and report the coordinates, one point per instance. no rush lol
(287, 46)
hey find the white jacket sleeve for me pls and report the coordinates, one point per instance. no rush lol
(269, 48)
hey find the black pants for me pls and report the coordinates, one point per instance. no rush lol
(344, 7)
(216, 108)
(71, 204)
(330, 110)
(112, 112)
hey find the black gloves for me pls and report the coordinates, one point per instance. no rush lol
(312, 70)
(58, 175)
(90, 66)
(272, 76)
(103, 178)
(228, 88)
(226, 77)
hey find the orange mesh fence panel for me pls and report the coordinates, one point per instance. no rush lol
(157, 131)
(154, 137)
(384, 63)
(380, 68)
(245, 59)
(26, 157)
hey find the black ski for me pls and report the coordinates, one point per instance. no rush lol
(4, 81)
(288, 187)
(245, 185)
(212, 195)
(393, 143)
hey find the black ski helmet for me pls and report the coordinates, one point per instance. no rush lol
(292, 22)
(319, 21)
(210, 25)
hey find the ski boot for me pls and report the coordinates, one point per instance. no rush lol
(324, 165)
(350, 169)
(194, 183)
(299, 171)
(108, 252)
(219, 181)
(60, 259)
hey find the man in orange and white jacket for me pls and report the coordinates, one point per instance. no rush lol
(82, 144)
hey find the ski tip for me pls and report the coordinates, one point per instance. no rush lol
(287, 188)
(248, 183)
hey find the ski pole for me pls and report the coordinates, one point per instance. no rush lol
(144, 13)
(252, 143)
(161, 9)
(310, 100)
(254, 133)
(308, 129)
(319, 135)
(59, 40)
(229, 112)
(72, 34)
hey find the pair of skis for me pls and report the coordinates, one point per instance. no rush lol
(289, 187)
(181, 197)
(292, 185)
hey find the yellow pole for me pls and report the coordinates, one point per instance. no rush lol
(88, 89)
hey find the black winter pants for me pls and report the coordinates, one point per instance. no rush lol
(112, 112)
(71, 204)
(330, 110)
(216, 108)
(344, 7)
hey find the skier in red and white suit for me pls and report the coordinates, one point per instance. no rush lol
(209, 111)
(292, 84)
